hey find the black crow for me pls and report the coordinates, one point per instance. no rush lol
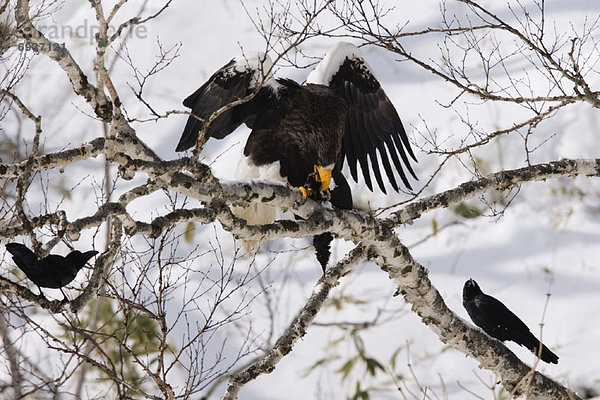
(53, 271)
(499, 322)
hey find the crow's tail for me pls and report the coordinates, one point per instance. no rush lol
(22, 256)
(533, 345)
(547, 355)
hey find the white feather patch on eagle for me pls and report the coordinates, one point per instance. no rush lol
(262, 67)
(257, 213)
(333, 60)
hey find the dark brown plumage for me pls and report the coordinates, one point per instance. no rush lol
(308, 131)
(342, 115)
(294, 137)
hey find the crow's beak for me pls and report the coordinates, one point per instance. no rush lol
(471, 283)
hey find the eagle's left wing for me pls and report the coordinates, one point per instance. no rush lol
(372, 126)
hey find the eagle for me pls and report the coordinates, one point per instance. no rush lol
(302, 134)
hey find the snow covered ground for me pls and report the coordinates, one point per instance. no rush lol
(545, 242)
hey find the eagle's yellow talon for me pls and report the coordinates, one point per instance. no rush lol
(305, 192)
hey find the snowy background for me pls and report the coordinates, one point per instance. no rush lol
(545, 242)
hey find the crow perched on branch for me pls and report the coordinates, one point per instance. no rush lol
(499, 322)
(53, 271)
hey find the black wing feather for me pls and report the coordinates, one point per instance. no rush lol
(224, 86)
(351, 142)
(372, 123)
(387, 166)
(21, 254)
(381, 125)
(361, 143)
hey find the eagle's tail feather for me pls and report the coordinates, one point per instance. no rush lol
(255, 214)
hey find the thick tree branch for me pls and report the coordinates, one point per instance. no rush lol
(375, 238)
(299, 326)
(416, 288)
(502, 180)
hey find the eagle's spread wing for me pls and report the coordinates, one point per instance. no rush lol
(372, 124)
(234, 81)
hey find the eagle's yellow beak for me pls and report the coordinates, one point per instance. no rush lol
(323, 176)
